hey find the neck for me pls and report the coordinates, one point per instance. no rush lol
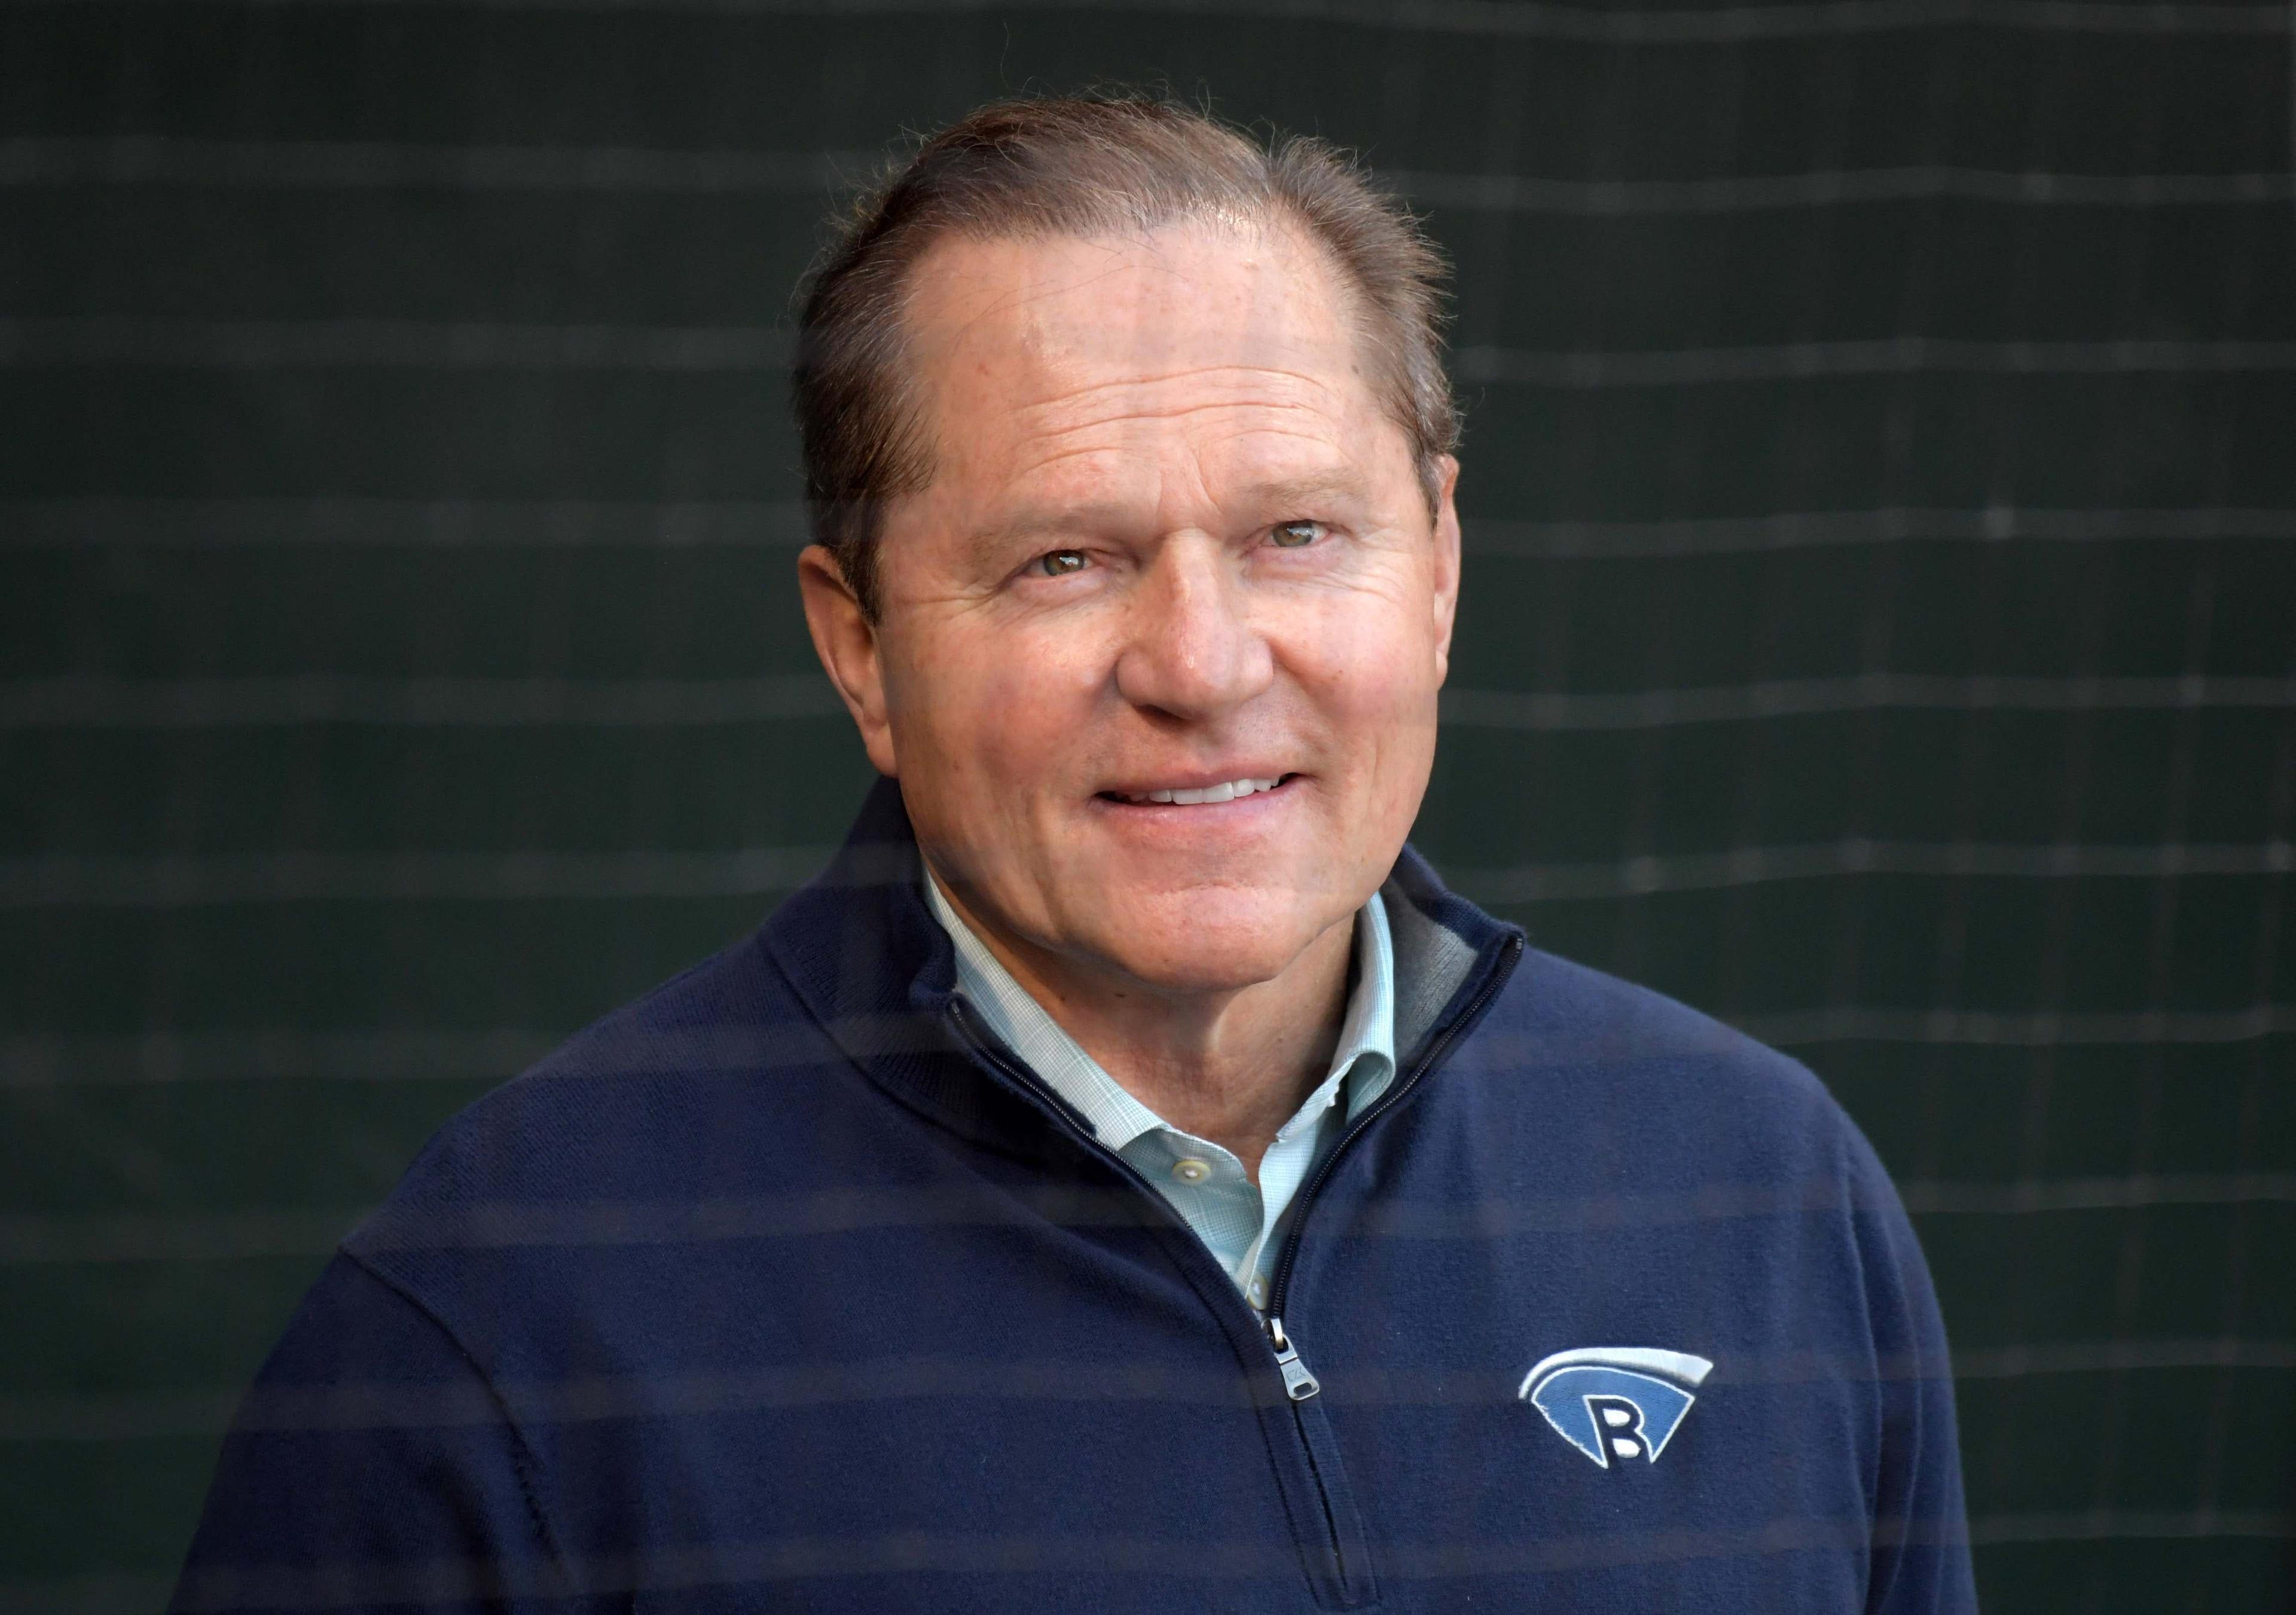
(1231, 1066)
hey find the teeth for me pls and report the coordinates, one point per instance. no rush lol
(1226, 792)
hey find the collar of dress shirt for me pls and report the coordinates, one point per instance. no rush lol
(1364, 1059)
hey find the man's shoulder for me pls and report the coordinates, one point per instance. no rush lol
(1585, 1048)
(622, 1113)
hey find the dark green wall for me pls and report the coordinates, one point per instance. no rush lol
(1882, 519)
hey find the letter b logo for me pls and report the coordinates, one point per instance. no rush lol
(1616, 1404)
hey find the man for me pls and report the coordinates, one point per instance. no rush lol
(1125, 1179)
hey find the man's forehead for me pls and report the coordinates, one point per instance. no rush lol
(1058, 373)
(1213, 299)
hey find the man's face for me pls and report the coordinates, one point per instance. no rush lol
(1171, 545)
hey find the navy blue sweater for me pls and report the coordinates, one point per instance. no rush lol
(786, 1288)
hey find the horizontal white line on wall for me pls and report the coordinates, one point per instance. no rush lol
(2120, 1357)
(385, 165)
(1501, 19)
(1857, 855)
(177, 1236)
(393, 344)
(1818, 530)
(68, 880)
(191, 523)
(79, 702)
(415, 1054)
(421, 702)
(2117, 1524)
(1562, 712)
(100, 520)
(182, 1235)
(380, 165)
(1885, 356)
(2034, 1029)
(94, 1593)
(1830, 187)
(121, 339)
(271, 1055)
(2133, 1191)
(317, 877)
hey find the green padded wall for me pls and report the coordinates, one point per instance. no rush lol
(1881, 631)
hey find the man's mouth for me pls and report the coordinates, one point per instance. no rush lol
(1190, 796)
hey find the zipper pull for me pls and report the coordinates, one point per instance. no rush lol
(1299, 1384)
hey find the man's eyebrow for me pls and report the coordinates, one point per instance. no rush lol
(1035, 524)
(1029, 525)
(1325, 487)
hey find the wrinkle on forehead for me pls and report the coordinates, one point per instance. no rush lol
(1036, 352)
(1125, 434)
(1145, 401)
(1135, 298)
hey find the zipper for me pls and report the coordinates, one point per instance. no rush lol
(1299, 1384)
(1339, 1581)
(1300, 1381)
(1305, 1200)
(1351, 1581)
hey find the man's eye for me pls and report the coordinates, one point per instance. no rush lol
(1294, 535)
(1059, 563)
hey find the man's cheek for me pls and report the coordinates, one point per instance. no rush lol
(1377, 680)
(1042, 669)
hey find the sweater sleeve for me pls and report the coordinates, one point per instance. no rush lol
(372, 1466)
(1920, 1563)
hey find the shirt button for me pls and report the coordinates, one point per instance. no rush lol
(1188, 1169)
(1256, 1292)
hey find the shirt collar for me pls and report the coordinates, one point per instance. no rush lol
(1364, 1060)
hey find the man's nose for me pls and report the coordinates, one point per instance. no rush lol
(1192, 649)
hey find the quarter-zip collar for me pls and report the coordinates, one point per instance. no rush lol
(862, 950)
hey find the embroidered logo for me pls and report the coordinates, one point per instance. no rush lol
(1622, 1402)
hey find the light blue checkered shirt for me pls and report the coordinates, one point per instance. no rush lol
(1206, 1186)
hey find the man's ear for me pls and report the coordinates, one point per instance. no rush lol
(1447, 563)
(846, 641)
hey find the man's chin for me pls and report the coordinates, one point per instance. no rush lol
(1211, 942)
